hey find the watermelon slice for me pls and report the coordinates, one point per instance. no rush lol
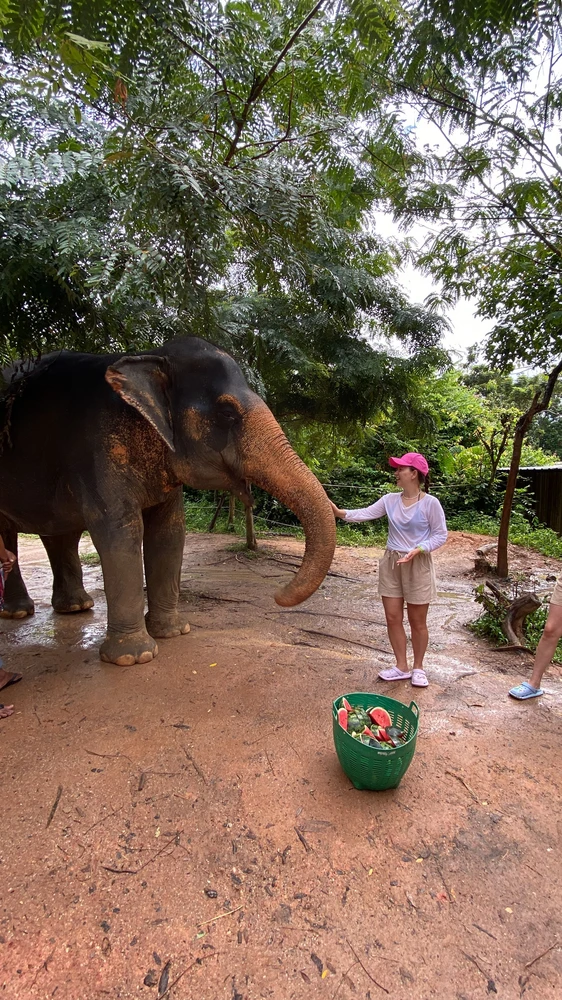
(342, 718)
(381, 717)
(382, 735)
(368, 732)
(346, 705)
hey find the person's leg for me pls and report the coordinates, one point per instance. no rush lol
(417, 616)
(394, 613)
(7, 677)
(547, 645)
(543, 656)
(6, 710)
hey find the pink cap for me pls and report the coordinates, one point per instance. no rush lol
(412, 458)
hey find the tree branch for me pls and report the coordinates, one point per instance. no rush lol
(501, 199)
(259, 83)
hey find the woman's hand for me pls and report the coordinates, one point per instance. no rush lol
(409, 556)
(336, 510)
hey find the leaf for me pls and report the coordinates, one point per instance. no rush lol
(87, 43)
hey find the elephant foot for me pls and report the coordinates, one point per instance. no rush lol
(137, 647)
(66, 604)
(21, 607)
(165, 628)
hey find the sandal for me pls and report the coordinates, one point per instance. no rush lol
(525, 690)
(7, 678)
(394, 674)
(419, 679)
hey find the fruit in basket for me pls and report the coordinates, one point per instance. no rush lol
(355, 723)
(382, 735)
(394, 736)
(380, 716)
(369, 738)
(372, 727)
(395, 733)
(361, 714)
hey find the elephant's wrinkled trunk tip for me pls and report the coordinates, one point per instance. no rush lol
(271, 463)
(317, 559)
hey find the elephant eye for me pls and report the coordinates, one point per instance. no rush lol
(227, 416)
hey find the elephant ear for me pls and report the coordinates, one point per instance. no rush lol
(143, 381)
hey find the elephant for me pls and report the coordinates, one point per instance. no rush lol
(104, 444)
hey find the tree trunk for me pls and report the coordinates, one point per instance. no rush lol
(251, 541)
(217, 512)
(539, 403)
(516, 612)
(520, 431)
(231, 512)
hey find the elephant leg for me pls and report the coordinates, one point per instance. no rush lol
(164, 537)
(68, 588)
(119, 547)
(17, 602)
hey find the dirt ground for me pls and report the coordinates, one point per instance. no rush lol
(183, 828)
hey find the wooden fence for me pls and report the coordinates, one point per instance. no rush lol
(545, 484)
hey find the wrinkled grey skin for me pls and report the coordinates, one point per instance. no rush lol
(104, 443)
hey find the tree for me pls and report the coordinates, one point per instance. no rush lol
(192, 168)
(504, 401)
(546, 431)
(541, 401)
(484, 79)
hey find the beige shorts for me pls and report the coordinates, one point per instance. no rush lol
(414, 581)
(557, 592)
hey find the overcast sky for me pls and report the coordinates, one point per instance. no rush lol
(466, 328)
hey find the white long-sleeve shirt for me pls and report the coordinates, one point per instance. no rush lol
(421, 524)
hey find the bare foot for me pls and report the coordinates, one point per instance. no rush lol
(6, 710)
(7, 678)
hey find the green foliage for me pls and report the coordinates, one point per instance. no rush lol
(488, 624)
(188, 168)
(546, 429)
(484, 84)
(89, 559)
(535, 536)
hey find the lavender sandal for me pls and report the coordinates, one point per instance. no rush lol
(419, 679)
(394, 674)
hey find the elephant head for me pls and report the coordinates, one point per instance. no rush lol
(221, 435)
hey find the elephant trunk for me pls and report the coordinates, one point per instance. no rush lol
(269, 461)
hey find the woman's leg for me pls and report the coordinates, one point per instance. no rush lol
(543, 656)
(417, 616)
(547, 645)
(394, 613)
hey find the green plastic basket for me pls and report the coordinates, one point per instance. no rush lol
(366, 766)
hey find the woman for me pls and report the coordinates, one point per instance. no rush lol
(416, 527)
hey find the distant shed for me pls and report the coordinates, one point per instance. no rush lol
(545, 484)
